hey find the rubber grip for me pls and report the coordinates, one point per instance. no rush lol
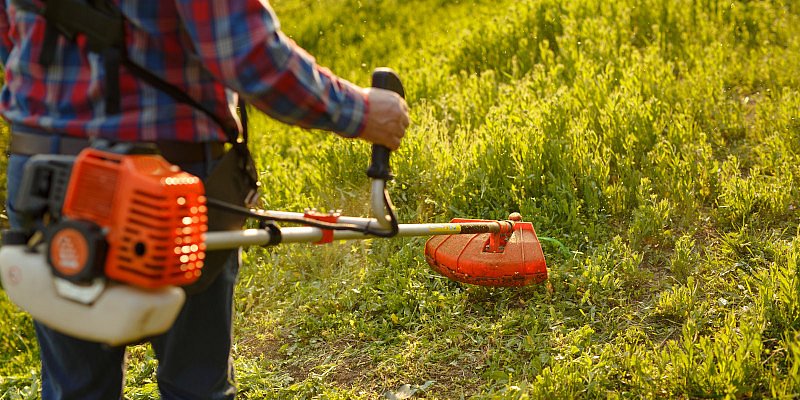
(383, 78)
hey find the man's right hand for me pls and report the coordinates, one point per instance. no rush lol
(387, 118)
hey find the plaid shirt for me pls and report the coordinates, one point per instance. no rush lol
(210, 49)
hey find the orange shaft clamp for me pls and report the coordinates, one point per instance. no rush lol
(332, 217)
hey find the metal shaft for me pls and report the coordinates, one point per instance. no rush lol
(258, 237)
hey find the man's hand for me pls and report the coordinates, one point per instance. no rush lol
(387, 118)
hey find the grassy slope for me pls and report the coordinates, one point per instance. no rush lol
(655, 139)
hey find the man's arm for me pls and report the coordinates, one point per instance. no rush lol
(241, 43)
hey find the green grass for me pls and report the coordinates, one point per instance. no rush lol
(655, 139)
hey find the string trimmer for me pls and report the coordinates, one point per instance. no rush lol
(124, 230)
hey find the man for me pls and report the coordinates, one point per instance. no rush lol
(211, 50)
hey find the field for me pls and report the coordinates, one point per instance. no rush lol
(653, 144)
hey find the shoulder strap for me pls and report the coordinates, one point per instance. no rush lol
(103, 25)
(181, 96)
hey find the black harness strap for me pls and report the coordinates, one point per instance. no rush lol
(48, 46)
(103, 25)
(176, 93)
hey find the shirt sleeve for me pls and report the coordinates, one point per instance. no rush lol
(240, 42)
(5, 38)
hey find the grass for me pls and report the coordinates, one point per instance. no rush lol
(655, 139)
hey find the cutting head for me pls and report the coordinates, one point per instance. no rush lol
(511, 258)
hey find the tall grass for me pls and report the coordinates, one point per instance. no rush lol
(655, 139)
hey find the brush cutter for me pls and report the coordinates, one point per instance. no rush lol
(124, 230)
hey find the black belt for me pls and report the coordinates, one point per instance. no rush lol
(173, 151)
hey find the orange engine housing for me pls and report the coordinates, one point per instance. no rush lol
(154, 215)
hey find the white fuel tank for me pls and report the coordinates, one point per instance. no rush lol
(120, 315)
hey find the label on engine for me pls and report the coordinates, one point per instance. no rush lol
(14, 275)
(446, 229)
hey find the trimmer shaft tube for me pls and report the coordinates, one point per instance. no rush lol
(260, 237)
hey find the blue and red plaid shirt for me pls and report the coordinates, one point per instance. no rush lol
(210, 49)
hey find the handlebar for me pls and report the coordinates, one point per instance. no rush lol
(379, 170)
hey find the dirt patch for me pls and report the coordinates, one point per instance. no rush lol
(343, 364)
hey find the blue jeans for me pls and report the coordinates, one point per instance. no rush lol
(193, 356)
